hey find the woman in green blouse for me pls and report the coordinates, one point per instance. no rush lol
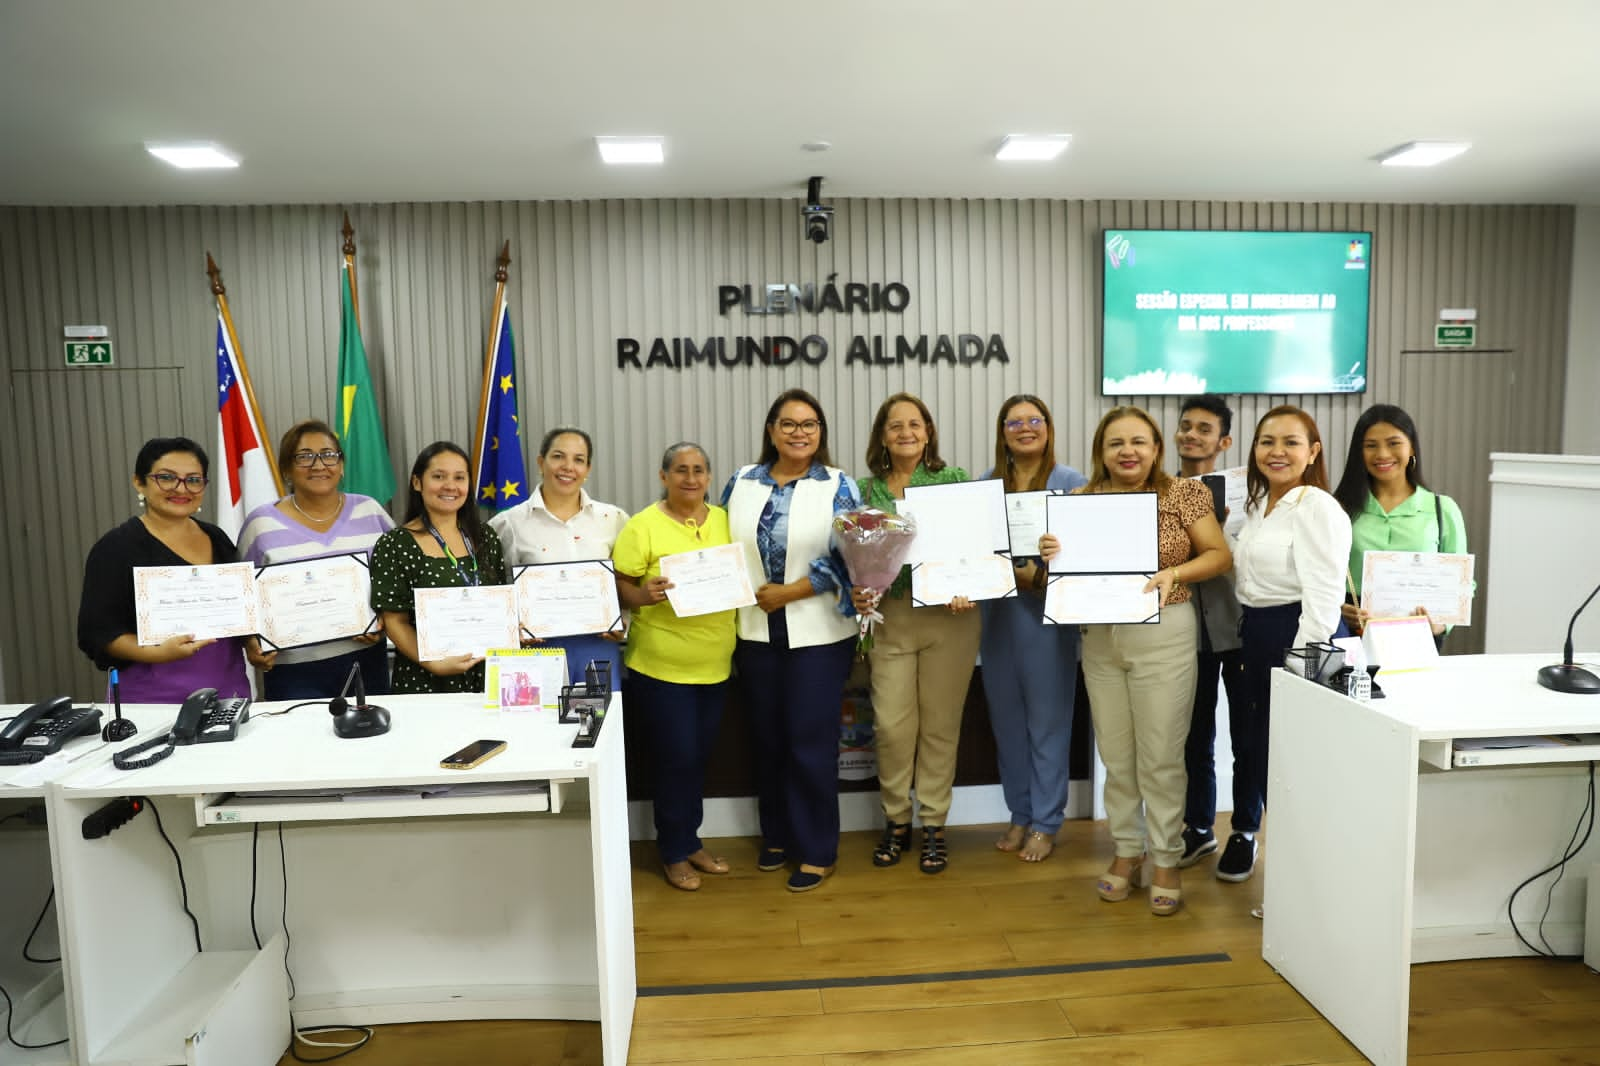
(922, 658)
(442, 542)
(1389, 505)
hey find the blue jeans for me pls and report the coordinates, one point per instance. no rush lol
(1200, 804)
(794, 697)
(323, 679)
(680, 723)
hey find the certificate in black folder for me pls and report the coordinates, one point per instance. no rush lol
(961, 531)
(568, 599)
(1108, 554)
(314, 601)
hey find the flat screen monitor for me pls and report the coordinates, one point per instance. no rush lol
(1190, 311)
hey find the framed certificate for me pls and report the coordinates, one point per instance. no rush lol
(1097, 599)
(568, 599)
(203, 602)
(466, 620)
(1393, 584)
(315, 600)
(708, 580)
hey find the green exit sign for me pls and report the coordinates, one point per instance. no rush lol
(1455, 336)
(89, 353)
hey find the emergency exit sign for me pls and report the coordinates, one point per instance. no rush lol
(89, 353)
(1457, 336)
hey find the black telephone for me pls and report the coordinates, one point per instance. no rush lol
(204, 719)
(43, 728)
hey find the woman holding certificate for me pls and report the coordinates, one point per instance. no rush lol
(442, 543)
(795, 644)
(1389, 504)
(170, 476)
(1141, 678)
(922, 660)
(1030, 669)
(1289, 572)
(315, 521)
(561, 523)
(677, 666)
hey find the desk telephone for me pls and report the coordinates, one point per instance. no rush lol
(43, 728)
(205, 719)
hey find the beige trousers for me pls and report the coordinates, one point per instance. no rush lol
(922, 660)
(1141, 681)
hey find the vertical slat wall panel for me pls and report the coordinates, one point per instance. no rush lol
(586, 273)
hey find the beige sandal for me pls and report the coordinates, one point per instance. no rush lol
(1038, 848)
(708, 863)
(1013, 839)
(1165, 901)
(1114, 888)
(682, 876)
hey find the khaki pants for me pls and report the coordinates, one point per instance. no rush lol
(1141, 692)
(922, 660)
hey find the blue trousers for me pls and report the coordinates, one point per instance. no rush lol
(794, 696)
(1266, 634)
(1200, 805)
(680, 723)
(1030, 678)
(322, 679)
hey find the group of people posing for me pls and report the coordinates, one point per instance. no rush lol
(1231, 608)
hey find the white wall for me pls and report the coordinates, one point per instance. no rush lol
(1581, 425)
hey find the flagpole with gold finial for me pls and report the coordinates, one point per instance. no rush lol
(500, 274)
(221, 294)
(349, 232)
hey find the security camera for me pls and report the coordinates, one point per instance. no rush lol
(818, 222)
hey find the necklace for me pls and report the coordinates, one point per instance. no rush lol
(295, 503)
(692, 521)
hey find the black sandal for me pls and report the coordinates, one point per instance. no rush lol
(935, 855)
(896, 838)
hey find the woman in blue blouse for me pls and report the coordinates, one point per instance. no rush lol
(1389, 505)
(796, 643)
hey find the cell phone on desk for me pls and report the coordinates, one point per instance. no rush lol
(473, 754)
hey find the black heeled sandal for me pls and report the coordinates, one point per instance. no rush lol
(896, 839)
(935, 854)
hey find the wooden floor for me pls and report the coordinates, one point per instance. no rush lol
(990, 912)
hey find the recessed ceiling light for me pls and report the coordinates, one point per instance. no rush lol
(1033, 147)
(194, 155)
(1422, 153)
(632, 149)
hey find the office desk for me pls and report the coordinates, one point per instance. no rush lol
(400, 908)
(1384, 854)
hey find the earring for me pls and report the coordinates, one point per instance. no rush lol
(1412, 461)
(141, 498)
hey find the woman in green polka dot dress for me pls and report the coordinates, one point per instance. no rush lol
(441, 543)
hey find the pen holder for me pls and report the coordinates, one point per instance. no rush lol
(577, 702)
(1315, 662)
(597, 677)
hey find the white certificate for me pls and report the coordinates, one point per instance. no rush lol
(204, 602)
(567, 599)
(1396, 645)
(979, 508)
(1393, 584)
(314, 601)
(1095, 599)
(1104, 532)
(465, 620)
(1235, 490)
(982, 577)
(1025, 521)
(708, 580)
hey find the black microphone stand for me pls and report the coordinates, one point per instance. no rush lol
(1566, 676)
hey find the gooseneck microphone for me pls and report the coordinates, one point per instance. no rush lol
(364, 719)
(1566, 676)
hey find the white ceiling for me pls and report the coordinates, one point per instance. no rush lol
(391, 100)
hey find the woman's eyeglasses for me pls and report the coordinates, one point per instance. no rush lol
(808, 427)
(1014, 424)
(329, 457)
(169, 481)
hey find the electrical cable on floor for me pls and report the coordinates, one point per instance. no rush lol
(183, 884)
(11, 1009)
(37, 922)
(299, 1034)
(1574, 846)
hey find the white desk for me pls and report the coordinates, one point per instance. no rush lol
(400, 909)
(1380, 857)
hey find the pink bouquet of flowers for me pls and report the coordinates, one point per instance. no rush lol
(874, 545)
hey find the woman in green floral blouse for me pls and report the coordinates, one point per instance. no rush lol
(922, 658)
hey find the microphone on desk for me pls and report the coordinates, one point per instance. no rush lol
(364, 719)
(1566, 676)
(119, 728)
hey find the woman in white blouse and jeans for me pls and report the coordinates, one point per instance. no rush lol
(1288, 569)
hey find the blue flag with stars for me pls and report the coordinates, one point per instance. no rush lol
(502, 475)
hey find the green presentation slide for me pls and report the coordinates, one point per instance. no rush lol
(1190, 311)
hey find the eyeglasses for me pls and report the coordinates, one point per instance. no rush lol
(329, 457)
(1014, 424)
(169, 481)
(808, 427)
